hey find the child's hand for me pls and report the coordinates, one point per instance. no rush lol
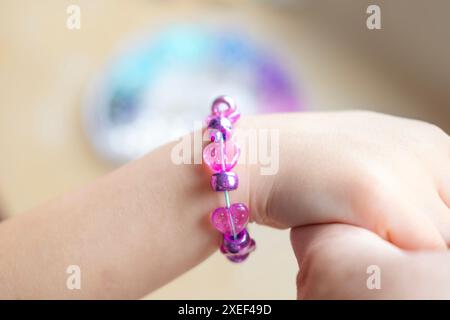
(383, 173)
(387, 174)
(347, 262)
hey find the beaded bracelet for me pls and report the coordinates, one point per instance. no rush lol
(221, 155)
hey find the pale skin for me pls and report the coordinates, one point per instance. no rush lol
(335, 262)
(146, 223)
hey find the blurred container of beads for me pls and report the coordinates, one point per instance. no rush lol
(161, 82)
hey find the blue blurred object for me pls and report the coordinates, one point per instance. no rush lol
(159, 85)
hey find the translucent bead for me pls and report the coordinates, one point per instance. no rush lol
(219, 127)
(224, 181)
(225, 106)
(213, 157)
(239, 215)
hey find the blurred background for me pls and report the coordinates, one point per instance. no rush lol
(76, 103)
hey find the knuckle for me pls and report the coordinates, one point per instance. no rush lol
(369, 189)
(432, 137)
(430, 129)
(264, 211)
(440, 134)
(368, 184)
(435, 130)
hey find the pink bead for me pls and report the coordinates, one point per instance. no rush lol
(219, 128)
(221, 218)
(213, 157)
(225, 106)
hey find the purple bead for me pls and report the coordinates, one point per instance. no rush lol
(241, 256)
(224, 181)
(232, 245)
(237, 250)
(238, 257)
(219, 126)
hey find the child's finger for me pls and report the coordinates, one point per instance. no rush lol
(338, 239)
(400, 218)
(334, 260)
(340, 262)
(410, 229)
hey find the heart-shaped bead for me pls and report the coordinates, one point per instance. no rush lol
(237, 212)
